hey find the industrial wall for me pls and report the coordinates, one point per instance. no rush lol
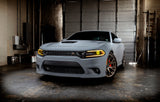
(143, 7)
(126, 26)
(8, 27)
(152, 4)
(117, 16)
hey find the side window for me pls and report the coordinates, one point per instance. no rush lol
(113, 36)
(107, 37)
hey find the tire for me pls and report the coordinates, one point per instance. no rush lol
(111, 66)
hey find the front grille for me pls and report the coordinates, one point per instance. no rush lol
(80, 54)
(61, 53)
(63, 67)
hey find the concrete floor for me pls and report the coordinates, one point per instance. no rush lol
(20, 83)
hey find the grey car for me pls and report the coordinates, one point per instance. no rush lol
(86, 54)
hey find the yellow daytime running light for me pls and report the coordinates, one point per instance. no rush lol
(96, 53)
(40, 52)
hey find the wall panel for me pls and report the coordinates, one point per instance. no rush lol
(72, 17)
(117, 16)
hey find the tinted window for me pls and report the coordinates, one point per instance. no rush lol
(98, 36)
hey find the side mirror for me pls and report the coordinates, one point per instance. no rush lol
(117, 40)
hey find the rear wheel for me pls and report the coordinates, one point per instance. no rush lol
(111, 66)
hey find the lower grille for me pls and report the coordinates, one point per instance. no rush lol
(58, 69)
(63, 67)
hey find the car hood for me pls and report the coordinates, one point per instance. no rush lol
(74, 45)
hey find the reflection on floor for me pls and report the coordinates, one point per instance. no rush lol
(20, 83)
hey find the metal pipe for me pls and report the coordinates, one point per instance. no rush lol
(135, 45)
(148, 37)
(98, 14)
(81, 15)
(27, 18)
(20, 20)
(116, 18)
(155, 42)
(17, 17)
(33, 26)
(64, 8)
(40, 23)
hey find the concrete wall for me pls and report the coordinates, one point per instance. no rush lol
(8, 27)
(3, 33)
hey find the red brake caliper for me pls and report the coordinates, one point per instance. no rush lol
(110, 64)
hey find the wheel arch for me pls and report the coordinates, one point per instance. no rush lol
(111, 52)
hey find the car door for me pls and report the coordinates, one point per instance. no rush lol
(117, 49)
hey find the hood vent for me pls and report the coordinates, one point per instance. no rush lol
(69, 41)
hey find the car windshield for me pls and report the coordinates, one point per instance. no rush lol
(97, 36)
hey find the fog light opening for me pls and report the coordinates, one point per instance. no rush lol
(37, 66)
(96, 70)
(47, 68)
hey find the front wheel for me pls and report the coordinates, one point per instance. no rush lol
(111, 66)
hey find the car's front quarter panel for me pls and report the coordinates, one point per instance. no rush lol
(118, 49)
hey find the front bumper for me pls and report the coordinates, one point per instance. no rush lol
(72, 66)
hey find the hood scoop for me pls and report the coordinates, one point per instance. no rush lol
(69, 41)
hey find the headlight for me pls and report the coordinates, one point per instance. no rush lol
(40, 52)
(95, 53)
